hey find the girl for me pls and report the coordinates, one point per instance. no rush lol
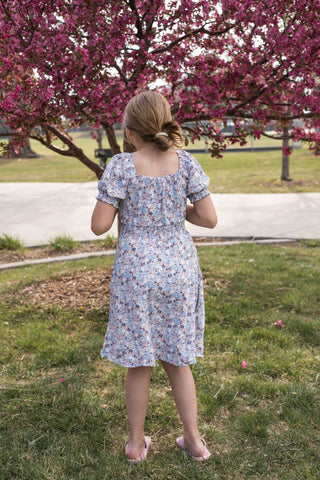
(156, 301)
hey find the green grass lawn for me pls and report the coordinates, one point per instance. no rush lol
(259, 172)
(243, 172)
(63, 408)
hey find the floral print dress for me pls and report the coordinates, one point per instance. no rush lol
(156, 294)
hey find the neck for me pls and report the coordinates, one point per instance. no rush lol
(148, 148)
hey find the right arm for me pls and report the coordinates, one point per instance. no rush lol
(202, 213)
(102, 217)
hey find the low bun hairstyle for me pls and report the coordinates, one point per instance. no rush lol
(148, 114)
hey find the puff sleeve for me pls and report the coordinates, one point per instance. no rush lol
(112, 185)
(198, 182)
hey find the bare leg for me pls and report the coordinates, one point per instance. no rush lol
(137, 396)
(184, 392)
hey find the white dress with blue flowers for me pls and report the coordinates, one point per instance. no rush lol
(156, 294)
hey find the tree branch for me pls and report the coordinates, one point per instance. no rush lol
(9, 134)
(124, 78)
(47, 135)
(257, 95)
(188, 35)
(275, 137)
(133, 7)
(60, 151)
(73, 151)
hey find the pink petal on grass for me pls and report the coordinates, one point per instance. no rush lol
(279, 323)
(63, 380)
(244, 365)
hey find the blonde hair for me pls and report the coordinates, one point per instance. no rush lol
(149, 115)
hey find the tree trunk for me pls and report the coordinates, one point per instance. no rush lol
(102, 161)
(99, 138)
(25, 152)
(285, 175)
(112, 139)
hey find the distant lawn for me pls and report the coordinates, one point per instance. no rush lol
(244, 172)
(259, 172)
(63, 411)
(51, 167)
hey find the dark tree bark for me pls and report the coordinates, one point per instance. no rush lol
(112, 139)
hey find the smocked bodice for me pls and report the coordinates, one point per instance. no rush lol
(152, 201)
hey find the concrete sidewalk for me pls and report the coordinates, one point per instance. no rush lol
(38, 212)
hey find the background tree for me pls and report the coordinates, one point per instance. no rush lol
(66, 63)
(26, 150)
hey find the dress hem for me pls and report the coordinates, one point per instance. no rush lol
(147, 364)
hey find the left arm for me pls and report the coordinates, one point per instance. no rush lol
(102, 217)
(202, 213)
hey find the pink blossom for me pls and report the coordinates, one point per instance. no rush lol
(244, 364)
(279, 323)
(287, 151)
(257, 133)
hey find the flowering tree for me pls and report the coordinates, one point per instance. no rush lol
(69, 62)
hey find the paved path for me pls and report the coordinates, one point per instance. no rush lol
(37, 212)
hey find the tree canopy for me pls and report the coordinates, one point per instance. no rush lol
(68, 62)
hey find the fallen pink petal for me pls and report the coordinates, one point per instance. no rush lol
(279, 324)
(244, 365)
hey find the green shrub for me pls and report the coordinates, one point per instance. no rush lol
(109, 241)
(63, 243)
(10, 243)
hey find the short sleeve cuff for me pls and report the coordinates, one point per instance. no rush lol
(104, 197)
(194, 197)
